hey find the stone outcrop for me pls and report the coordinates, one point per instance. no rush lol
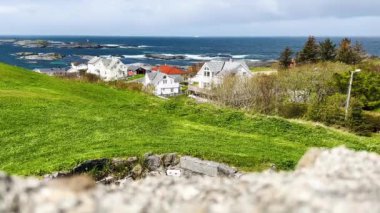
(337, 180)
(39, 56)
(108, 171)
(165, 57)
(208, 168)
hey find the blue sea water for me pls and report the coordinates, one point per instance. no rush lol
(196, 49)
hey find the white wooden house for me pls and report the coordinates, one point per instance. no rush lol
(212, 72)
(108, 69)
(163, 84)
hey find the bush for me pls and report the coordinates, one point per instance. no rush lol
(330, 112)
(293, 110)
(91, 78)
(373, 121)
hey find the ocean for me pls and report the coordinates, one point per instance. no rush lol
(191, 49)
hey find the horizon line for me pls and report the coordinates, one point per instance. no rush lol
(189, 36)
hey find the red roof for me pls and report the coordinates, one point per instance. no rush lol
(168, 70)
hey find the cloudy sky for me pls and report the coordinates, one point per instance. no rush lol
(191, 17)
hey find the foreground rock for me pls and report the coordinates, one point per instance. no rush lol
(337, 180)
(117, 170)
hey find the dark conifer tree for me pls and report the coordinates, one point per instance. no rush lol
(327, 50)
(310, 52)
(346, 52)
(286, 58)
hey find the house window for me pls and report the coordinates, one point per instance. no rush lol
(207, 74)
(165, 81)
(207, 69)
(172, 90)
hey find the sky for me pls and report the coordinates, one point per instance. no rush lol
(191, 17)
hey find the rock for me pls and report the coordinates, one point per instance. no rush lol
(57, 175)
(89, 165)
(123, 182)
(199, 166)
(224, 170)
(170, 160)
(119, 162)
(76, 183)
(132, 160)
(208, 168)
(107, 180)
(337, 180)
(24, 53)
(155, 174)
(165, 57)
(152, 162)
(42, 56)
(137, 171)
(32, 43)
(309, 158)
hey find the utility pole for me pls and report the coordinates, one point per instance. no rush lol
(349, 92)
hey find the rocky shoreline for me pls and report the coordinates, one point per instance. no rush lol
(39, 56)
(337, 180)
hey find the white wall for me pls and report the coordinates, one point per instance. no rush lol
(120, 71)
(168, 88)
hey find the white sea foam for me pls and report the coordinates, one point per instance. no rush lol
(135, 56)
(199, 57)
(195, 57)
(135, 47)
(240, 56)
(111, 45)
(144, 46)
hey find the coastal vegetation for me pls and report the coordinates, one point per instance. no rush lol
(312, 85)
(49, 124)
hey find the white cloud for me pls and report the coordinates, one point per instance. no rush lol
(4, 10)
(182, 17)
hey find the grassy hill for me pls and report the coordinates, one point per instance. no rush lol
(49, 124)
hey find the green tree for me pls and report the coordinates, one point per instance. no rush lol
(359, 52)
(348, 54)
(310, 52)
(286, 58)
(327, 50)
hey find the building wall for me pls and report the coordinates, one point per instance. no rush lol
(119, 72)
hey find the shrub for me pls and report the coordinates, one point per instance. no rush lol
(293, 110)
(91, 78)
(373, 121)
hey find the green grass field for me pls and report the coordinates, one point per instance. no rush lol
(49, 124)
(136, 77)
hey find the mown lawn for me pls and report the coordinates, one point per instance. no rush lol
(49, 124)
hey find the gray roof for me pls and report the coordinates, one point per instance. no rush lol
(215, 66)
(155, 77)
(222, 67)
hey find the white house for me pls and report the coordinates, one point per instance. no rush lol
(76, 67)
(108, 69)
(163, 84)
(212, 72)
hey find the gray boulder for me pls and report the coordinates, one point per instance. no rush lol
(152, 162)
(170, 159)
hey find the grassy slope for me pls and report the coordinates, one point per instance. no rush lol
(261, 69)
(48, 124)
